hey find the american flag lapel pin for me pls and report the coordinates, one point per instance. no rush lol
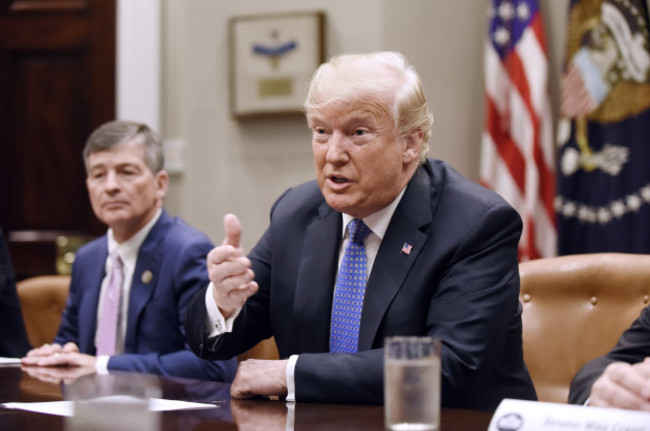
(406, 248)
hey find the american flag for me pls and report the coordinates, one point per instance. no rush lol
(517, 145)
(406, 248)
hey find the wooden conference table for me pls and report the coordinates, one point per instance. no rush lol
(17, 385)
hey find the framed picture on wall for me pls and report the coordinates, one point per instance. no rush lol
(272, 60)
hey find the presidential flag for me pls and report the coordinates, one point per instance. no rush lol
(603, 171)
(517, 145)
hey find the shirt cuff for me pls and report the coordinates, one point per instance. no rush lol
(215, 323)
(291, 384)
(101, 364)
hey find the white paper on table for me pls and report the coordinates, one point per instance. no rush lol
(163, 405)
(66, 408)
(523, 415)
(59, 408)
(9, 361)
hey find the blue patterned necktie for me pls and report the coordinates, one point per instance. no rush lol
(349, 291)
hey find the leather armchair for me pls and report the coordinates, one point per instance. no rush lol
(265, 349)
(42, 300)
(575, 308)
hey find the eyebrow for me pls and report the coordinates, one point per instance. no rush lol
(117, 166)
(355, 116)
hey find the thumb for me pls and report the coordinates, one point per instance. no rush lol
(232, 226)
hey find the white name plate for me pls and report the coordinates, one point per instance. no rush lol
(518, 415)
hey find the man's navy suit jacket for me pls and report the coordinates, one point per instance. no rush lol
(175, 255)
(459, 282)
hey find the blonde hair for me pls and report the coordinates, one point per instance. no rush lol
(383, 77)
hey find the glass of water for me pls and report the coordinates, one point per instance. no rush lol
(412, 383)
(113, 402)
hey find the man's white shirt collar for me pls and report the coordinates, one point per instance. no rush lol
(377, 222)
(129, 248)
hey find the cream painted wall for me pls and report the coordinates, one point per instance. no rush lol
(242, 167)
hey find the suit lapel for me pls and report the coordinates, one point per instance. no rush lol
(315, 281)
(391, 266)
(147, 269)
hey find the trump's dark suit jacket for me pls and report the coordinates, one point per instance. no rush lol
(460, 282)
(175, 255)
(632, 347)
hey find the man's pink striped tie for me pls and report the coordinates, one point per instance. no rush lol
(110, 313)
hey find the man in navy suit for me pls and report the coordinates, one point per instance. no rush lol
(620, 378)
(161, 265)
(441, 257)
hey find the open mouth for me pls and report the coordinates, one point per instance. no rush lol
(338, 180)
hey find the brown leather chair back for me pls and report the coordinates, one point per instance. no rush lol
(574, 309)
(42, 300)
(265, 349)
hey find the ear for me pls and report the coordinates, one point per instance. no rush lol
(413, 144)
(162, 183)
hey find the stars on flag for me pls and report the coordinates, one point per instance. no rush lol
(507, 13)
(613, 210)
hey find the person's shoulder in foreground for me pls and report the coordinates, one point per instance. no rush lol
(620, 378)
(13, 337)
(442, 253)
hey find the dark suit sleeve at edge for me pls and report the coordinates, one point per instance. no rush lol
(195, 326)
(632, 347)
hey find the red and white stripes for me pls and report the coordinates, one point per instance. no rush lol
(517, 144)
